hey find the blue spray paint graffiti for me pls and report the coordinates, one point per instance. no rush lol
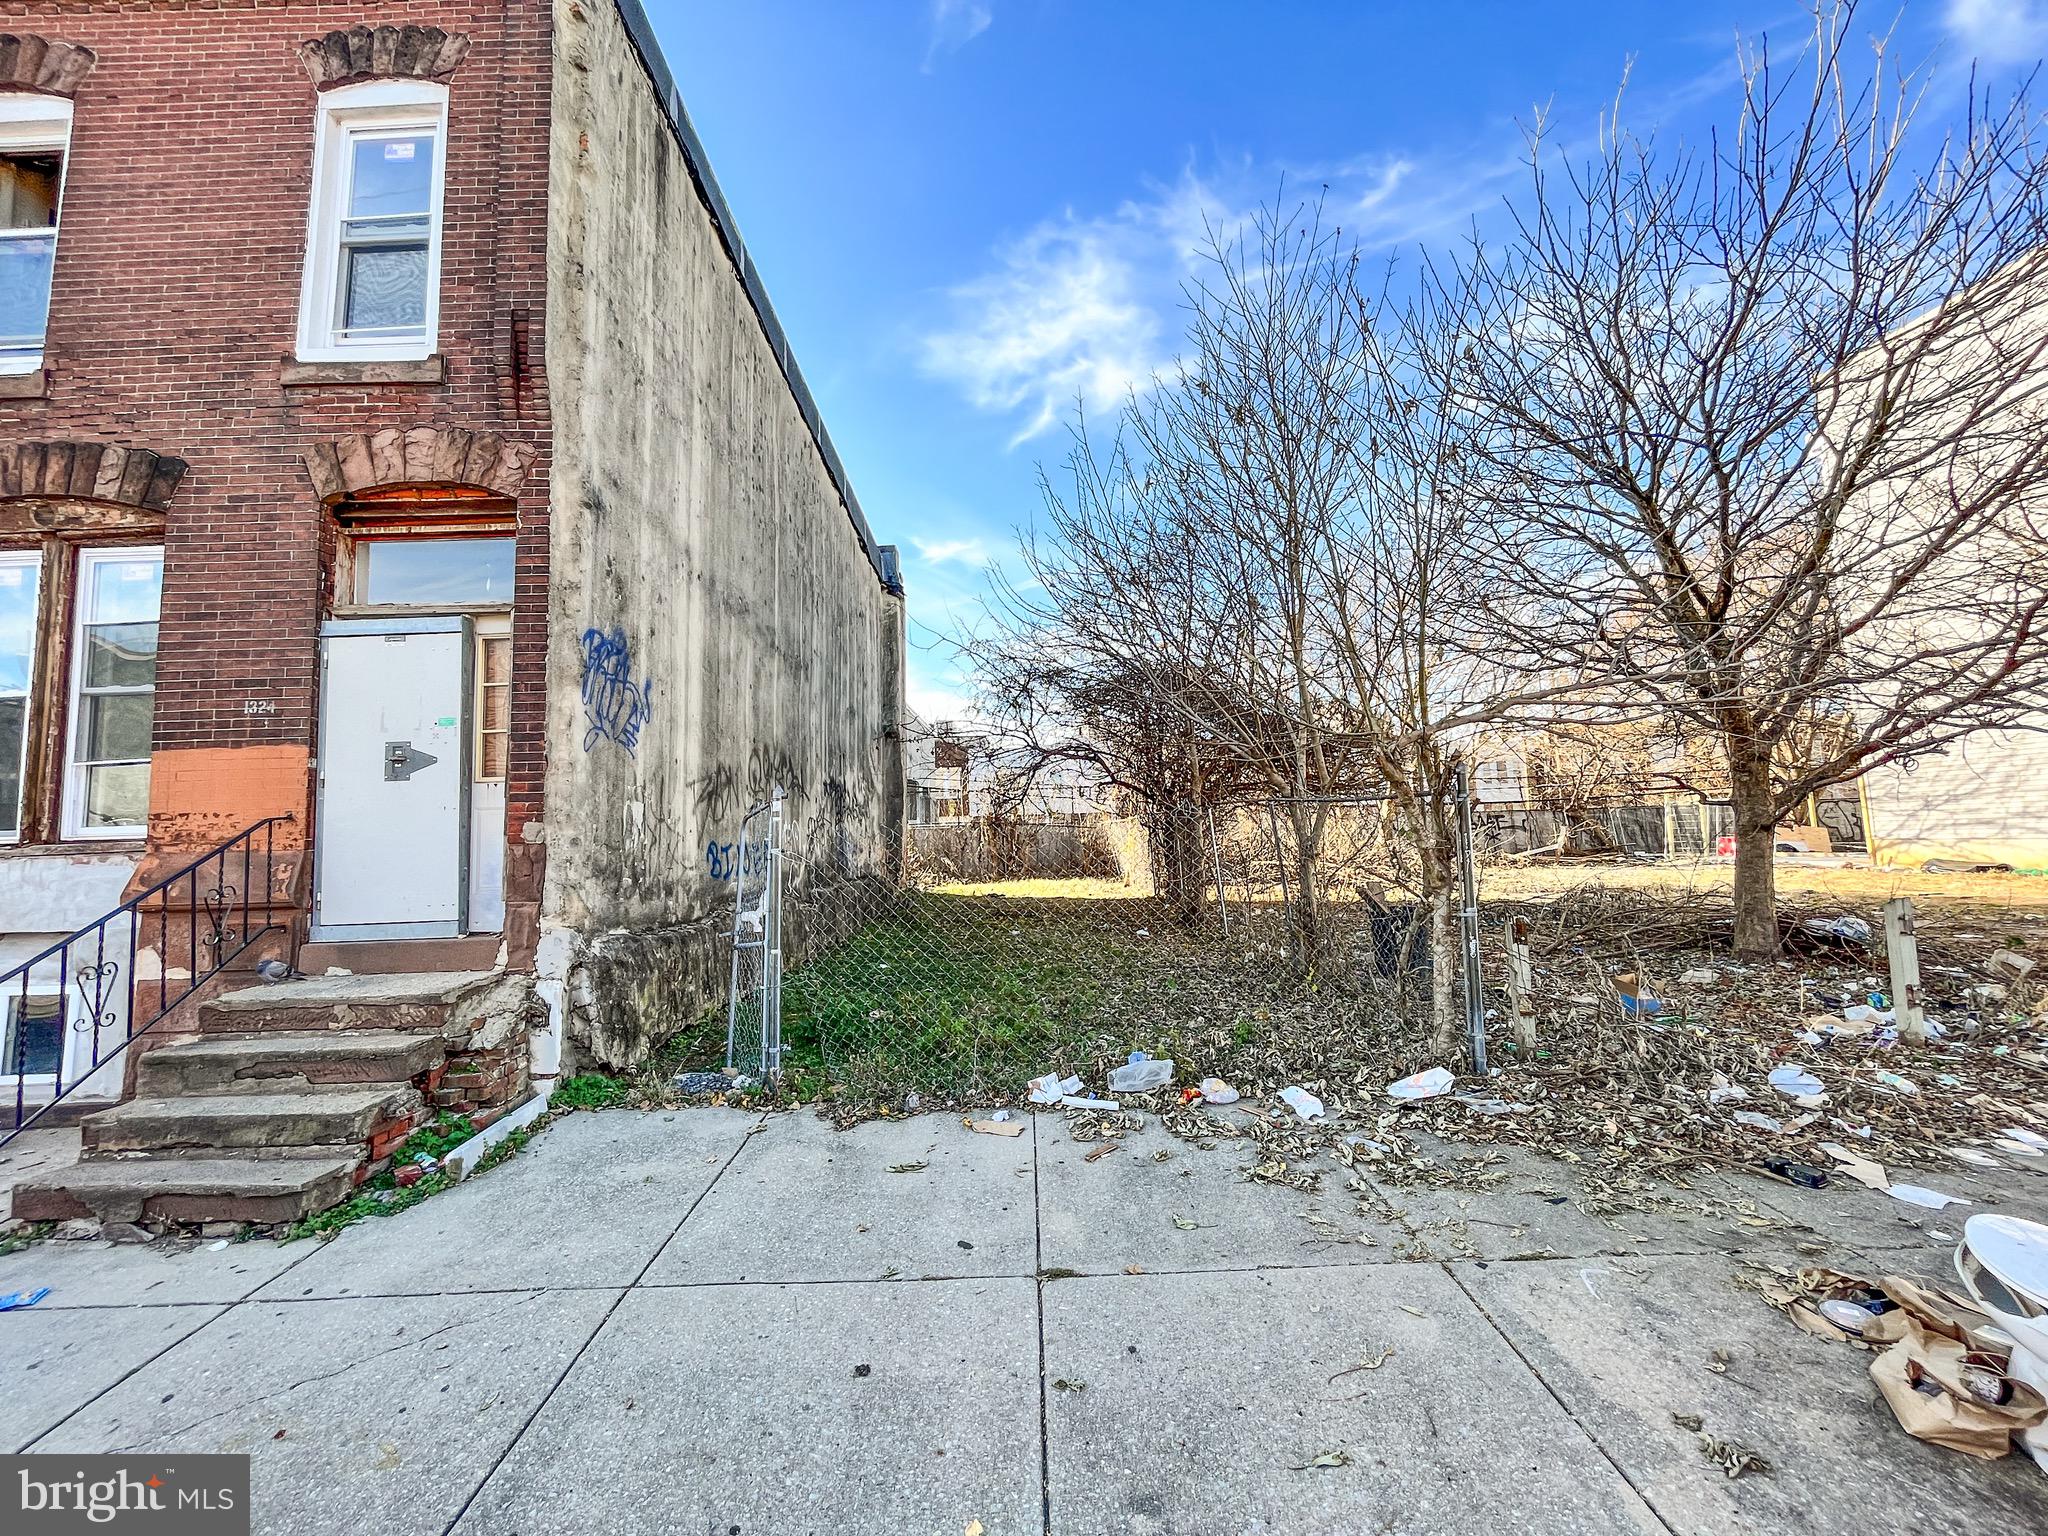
(613, 703)
(723, 859)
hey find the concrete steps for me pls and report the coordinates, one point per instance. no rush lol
(423, 1001)
(287, 1062)
(191, 1188)
(311, 1117)
(292, 1094)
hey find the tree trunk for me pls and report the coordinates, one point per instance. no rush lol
(1446, 946)
(1180, 859)
(1756, 837)
(1305, 917)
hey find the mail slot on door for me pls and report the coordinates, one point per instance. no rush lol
(402, 760)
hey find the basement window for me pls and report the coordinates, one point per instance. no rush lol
(35, 134)
(34, 1041)
(373, 249)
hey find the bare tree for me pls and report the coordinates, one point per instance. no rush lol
(1758, 423)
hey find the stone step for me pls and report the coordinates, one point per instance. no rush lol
(188, 1188)
(368, 957)
(286, 1061)
(424, 1000)
(312, 1117)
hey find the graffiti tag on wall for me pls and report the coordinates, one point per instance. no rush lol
(613, 704)
(723, 860)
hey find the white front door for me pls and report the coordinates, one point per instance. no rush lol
(391, 853)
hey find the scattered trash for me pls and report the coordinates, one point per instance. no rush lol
(1725, 1092)
(1422, 1085)
(1327, 1459)
(13, 1301)
(1896, 1083)
(1183, 1223)
(1757, 1122)
(1845, 930)
(2021, 1134)
(216, 1245)
(1863, 1013)
(1216, 1091)
(1849, 1316)
(1101, 1152)
(1930, 1199)
(1052, 1088)
(1700, 976)
(1141, 1074)
(701, 1082)
(1074, 1101)
(1975, 1158)
(908, 1167)
(997, 1127)
(2010, 964)
(1803, 1174)
(1305, 1105)
(1865, 1172)
(1481, 1106)
(1797, 1083)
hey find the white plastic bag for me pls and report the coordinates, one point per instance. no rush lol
(1302, 1102)
(1423, 1085)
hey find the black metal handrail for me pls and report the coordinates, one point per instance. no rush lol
(107, 987)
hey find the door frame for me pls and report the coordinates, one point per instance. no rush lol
(434, 624)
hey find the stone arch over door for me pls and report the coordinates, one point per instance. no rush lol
(363, 462)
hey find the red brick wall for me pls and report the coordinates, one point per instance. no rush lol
(175, 298)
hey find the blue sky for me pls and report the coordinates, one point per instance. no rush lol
(969, 212)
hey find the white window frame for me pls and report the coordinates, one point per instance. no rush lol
(375, 106)
(31, 561)
(75, 828)
(29, 122)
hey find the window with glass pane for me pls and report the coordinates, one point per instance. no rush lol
(31, 186)
(434, 572)
(35, 1036)
(386, 227)
(119, 595)
(494, 705)
(19, 581)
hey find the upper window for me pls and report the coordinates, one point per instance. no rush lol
(35, 133)
(113, 686)
(373, 254)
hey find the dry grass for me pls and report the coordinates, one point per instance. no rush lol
(1807, 887)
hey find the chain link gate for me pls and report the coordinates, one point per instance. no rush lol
(753, 1010)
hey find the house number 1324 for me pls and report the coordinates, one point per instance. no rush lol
(259, 706)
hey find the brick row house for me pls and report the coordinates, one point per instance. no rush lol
(418, 548)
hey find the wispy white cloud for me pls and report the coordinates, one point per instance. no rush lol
(1084, 308)
(964, 551)
(955, 24)
(1999, 31)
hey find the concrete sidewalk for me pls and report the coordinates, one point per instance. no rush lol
(710, 1321)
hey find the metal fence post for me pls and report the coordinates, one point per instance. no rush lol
(1216, 853)
(1468, 874)
(771, 973)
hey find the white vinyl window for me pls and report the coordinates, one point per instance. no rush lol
(113, 692)
(373, 246)
(20, 581)
(35, 136)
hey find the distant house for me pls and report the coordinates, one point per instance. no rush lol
(1982, 801)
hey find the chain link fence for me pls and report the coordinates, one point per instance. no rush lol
(1008, 950)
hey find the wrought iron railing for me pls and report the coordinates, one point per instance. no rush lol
(52, 1047)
